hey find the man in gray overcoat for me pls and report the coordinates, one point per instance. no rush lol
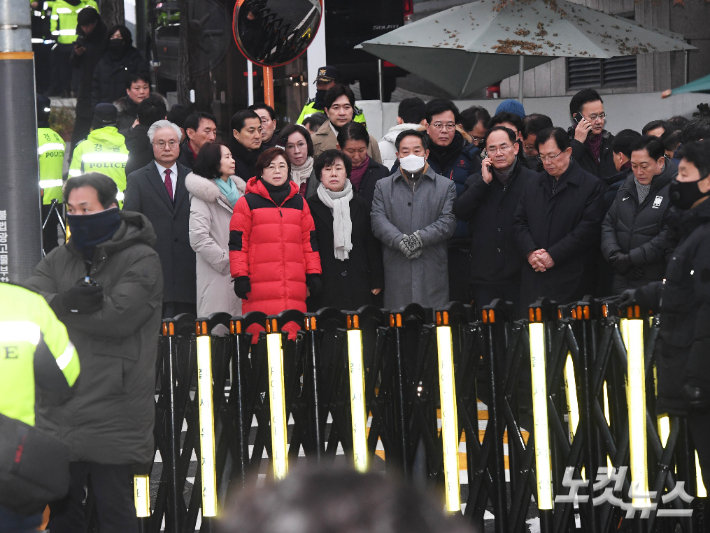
(412, 216)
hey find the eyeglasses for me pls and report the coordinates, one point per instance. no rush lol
(477, 140)
(162, 144)
(502, 148)
(592, 118)
(450, 126)
(544, 158)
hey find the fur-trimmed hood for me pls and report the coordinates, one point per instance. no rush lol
(207, 190)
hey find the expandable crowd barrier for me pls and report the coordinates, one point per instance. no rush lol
(571, 436)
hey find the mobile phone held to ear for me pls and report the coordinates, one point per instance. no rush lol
(484, 154)
(577, 117)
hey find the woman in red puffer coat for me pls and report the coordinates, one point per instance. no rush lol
(273, 253)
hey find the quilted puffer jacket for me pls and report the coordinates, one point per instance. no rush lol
(275, 245)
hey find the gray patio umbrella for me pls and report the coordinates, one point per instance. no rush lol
(471, 46)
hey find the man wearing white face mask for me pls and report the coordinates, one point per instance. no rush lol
(412, 216)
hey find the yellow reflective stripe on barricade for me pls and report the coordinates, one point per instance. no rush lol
(449, 418)
(206, 415)
(141, 496)
(279, 443)
(357, 399)
(632, 333)
(20, 331)
(49, 146)
(539, 399)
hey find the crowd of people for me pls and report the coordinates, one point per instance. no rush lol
(449, 205)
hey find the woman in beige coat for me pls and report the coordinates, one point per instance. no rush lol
(213, 192)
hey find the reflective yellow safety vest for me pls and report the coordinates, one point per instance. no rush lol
(104, 151)
(64, 19)
(28, 326)
(50, 150)
(309, 109)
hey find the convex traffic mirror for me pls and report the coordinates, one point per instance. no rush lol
(271, 33)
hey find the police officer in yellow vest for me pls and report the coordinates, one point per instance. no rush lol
(50, 152)
(37, 362)
(62, 25)
(104, 150)
(327, 77)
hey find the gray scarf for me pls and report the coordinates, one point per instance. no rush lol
(339, 204)
(642, 190)
(504, 177)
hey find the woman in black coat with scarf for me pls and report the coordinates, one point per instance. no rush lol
(351, 256)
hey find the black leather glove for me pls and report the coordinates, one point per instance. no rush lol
(315, 284)
(82, 299)
(242, 287)
(697, 394)
(628, 297)
(622, 263)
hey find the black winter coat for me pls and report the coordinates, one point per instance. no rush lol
(613, 183)
(127, 114)
(244, 160)
(375, 172)
(684, 356)
(639, 230)
(146, 193)
(95, 44)
(111, 76)
(490, 208)
(111, 416)
(566, 223)
(456, 162)
(347, 284)
(140, 151)
(605, 167)
(186, 158)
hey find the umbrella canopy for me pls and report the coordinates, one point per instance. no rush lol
(701, 85)
(471, 46)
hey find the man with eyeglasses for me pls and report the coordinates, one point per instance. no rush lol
(450, 156)
(268, 124)
(557, 224)
(339, 106)
(488, 205)
(591, 143)
(635, 238)
(158, 191)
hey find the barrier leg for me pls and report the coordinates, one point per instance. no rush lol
(400, 392)
(206, 417)
(358, 411)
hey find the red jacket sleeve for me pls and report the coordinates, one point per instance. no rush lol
(310, 244)
(239, 234)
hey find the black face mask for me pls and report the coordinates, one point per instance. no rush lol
(320, 99)
(88, 231)
(685, 193)
(116, 48)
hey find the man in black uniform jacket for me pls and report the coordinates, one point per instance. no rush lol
(683, 363)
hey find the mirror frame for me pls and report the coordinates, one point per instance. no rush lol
(235, 34)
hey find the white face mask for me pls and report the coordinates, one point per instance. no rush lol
(412, 163)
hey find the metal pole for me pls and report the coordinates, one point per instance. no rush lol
(521, 77)
(269, 86)
(172, 516)
(250, 82)
(20, 211)
(141, 17)
(380, 81)
(316, 54)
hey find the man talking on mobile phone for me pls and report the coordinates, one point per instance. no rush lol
(106, 285)
(591, 143)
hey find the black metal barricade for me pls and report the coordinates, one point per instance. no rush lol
(568, 390)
